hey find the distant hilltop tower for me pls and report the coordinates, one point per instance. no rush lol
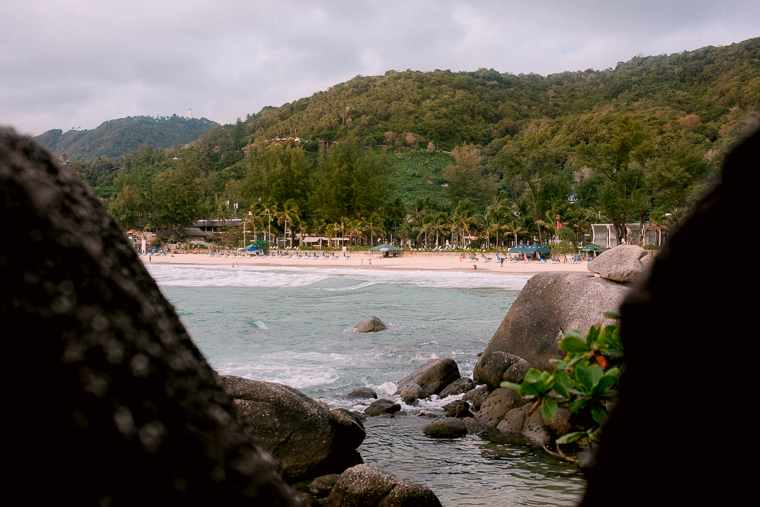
(189, 112)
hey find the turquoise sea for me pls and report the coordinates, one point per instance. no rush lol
(295, 326)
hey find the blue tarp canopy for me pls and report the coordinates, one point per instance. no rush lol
(253, 247)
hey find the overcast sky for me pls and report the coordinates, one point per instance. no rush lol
(78, 63)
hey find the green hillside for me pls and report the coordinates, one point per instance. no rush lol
(448, 154)
(116, 138)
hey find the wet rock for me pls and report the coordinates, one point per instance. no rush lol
(446, 427)
(498, 403)
(434, 376)
(370, 325)
(382, 406)
(459, 386)
(457, 408)
(360, 393)
(323, 485)
(365, 486)
(477, 396)
(411, 392)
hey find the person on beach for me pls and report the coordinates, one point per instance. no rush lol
(149, 259)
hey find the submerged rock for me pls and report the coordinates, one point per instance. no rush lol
(446, 427)
(370, 325)
(360, 392)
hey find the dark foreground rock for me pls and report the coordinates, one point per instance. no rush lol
(642, 444)
(370, 325)
(364, 486)
(106, 399)
(433, 376)
(548, 305)
(303, 434)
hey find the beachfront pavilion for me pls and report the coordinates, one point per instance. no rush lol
(318, 240)
(605, 235)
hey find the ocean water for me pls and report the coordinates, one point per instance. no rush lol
(295, 326)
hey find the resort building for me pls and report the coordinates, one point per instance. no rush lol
(605, 235)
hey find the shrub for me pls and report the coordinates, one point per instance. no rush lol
(585, 381)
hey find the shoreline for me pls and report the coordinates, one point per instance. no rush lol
(419, 261)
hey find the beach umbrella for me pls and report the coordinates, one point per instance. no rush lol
(385, 247)
(519, 249)
(535, 247)
(591, 247)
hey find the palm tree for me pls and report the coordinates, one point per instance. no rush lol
(463, 219)
(373, 225)
(395, 212)
(658, 220)
(269, 208)
(440, 225)
(289, 214)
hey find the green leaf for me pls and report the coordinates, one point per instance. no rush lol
(573, 344)
(612, 315)
(599, 414)
(568, 438)
(510, 385)
(575, 334)
(562, 383)
(549, 407)
(559, 364)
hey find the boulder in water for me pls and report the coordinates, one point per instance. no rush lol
(433, 376)
(304, 436)
(548, 305)
(370, 325)
(446, 427)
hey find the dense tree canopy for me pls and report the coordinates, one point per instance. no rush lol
(424, 156)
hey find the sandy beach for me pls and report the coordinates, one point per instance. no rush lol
(365, 260)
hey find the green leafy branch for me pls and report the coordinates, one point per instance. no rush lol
(584, 382)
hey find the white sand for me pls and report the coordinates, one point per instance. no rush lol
(374, 260)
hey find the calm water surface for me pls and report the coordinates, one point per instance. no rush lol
(294, 326)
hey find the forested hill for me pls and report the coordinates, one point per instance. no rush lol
(634, 143)
(484, 106)
(115, 138)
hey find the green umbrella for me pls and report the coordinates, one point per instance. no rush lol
(385, 247)
(519, 249)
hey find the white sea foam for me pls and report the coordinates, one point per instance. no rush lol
(260, 276)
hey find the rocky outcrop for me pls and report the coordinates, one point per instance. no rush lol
(304, 436)
(370, 325)
(624, 263)
(434, 376)
(120, 407)
(548, 305)
(365, 486)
